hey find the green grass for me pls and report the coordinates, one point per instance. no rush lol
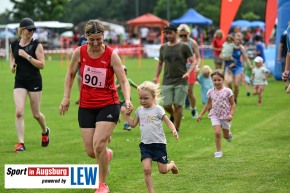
(257, 160)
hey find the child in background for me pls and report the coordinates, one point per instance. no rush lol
(227, 52)
(259, 77)
(222, 106)
(248, 73)
(121, 98)
(205, 82)
(150, 116)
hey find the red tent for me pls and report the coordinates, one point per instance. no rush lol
(147, 20)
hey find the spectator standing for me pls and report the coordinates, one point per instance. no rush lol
(259, 47)
(282, 50)
(285, 74)
(217, 44)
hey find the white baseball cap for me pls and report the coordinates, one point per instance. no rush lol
(259, 59)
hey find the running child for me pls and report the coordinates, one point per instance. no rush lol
(150, 116)
(205, 82)
(222, 107)
(259, 77)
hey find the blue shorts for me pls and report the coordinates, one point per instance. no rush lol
(237, 70)
(155, 151)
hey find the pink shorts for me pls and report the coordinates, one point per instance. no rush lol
(192, 78)
(259, 87)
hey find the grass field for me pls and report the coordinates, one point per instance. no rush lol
(257, 160)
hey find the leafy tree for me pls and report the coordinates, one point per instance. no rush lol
(257, 7)
(250, 16)
(38, 10)
(177, 7)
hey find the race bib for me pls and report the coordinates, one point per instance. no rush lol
(94, 77)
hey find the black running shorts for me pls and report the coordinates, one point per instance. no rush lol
(88, 117)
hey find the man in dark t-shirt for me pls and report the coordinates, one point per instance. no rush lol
(174, 55)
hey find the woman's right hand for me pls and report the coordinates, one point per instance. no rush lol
(285, 75)
(64, 105)
(13, 68)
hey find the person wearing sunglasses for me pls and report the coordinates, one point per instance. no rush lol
(174, 55)
(26, 61)
(184, 32)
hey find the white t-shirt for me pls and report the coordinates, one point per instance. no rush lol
(150, 121)
(259, 75)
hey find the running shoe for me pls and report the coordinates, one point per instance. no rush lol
(103, 188)
(19, 147)
(45, 138)
(194, 113)
(218, 154)
(230, 137)
(127, 127)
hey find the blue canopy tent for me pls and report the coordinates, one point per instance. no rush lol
(192, 17)
(241, 23)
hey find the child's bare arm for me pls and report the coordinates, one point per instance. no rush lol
(206, 107)
(131, 122)
(170, 125)
(267, 75)
(232, 111)
(232, 65)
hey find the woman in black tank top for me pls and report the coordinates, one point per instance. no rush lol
(26, 60)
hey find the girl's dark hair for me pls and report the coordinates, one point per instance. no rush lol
(218, 72)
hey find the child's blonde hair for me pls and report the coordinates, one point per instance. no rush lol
(153, 88)
(206, 70)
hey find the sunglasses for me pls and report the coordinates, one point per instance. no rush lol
(30, 30)
(183, 36)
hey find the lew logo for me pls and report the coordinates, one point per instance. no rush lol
(84, 176)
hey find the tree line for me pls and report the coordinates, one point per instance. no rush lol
(120, 11)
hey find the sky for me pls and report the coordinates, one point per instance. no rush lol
(5, 4)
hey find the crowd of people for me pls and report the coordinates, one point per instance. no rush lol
(102, 98)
